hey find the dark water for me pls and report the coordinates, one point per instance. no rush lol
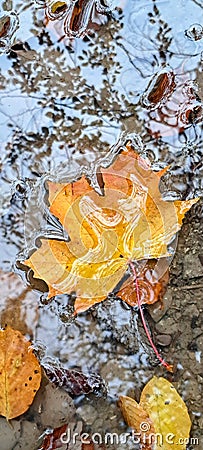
(73, 84)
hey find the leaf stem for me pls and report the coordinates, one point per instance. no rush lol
(169, 367)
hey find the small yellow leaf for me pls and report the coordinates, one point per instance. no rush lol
(20, 373)
(163, 412)
(167, 411)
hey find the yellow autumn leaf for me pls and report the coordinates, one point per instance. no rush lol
(20, 373)
(164, 421)
(129, 222)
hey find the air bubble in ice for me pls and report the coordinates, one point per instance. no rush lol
(194, 32)
(8, 25)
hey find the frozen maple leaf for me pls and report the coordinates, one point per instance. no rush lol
(129, 222)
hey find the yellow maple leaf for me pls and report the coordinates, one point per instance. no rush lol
(129, 222)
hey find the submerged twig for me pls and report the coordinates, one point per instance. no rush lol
(169, 367)
(191, 286)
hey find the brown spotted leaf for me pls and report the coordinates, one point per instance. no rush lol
(20, 373)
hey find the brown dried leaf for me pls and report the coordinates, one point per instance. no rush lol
(152, 285)
(137, 418)
(74, 381)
